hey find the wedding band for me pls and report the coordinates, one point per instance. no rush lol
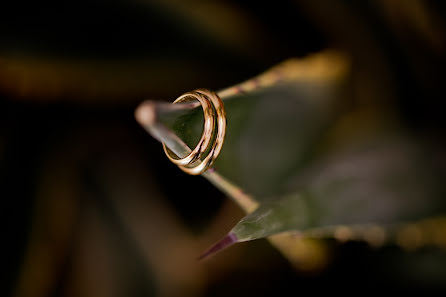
(208, 128)
(192, 164)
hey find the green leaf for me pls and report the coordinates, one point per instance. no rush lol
(273, 122)
(300, 146)
(385, 179)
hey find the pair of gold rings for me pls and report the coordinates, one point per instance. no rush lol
(214, 118)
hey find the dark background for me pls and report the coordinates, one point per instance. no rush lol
(71, 76)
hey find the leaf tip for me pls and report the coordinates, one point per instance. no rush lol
(145, 113)
(222, 244)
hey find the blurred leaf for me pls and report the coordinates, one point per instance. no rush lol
(382, 180)
(131, 49)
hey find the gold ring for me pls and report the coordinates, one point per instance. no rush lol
(208, 128)
(194, 164)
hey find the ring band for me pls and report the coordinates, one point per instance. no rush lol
(208, 128)
(192, 164)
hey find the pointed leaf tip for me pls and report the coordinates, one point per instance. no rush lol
(224, 243)
(145, 113)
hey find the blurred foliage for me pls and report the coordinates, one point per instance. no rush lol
(93, 208)
(296, 144)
